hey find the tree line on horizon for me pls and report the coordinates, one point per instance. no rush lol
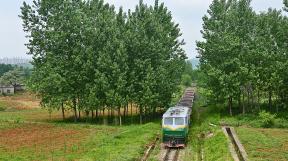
(244, 55)
(88, 57)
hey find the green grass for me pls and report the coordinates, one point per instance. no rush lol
(94, 142)
(264, 144)
(39, 115)
(129, 144)
(216, 147)
(253, 120)
(2, 107)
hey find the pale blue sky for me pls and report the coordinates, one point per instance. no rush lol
(188, 13)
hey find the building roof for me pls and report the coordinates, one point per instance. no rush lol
(178, 111)
(6, 86)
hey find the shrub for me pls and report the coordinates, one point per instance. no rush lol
(266, 119)
(281, 123)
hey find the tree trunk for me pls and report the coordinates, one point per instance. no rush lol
(92, 114)
(131, 111)
(75, 109)
(119, 115)
(239, 101)
(154, 112)
(253, 101)
(248, 99)
(104, 121)
(124, 115)
(79, 114)
(87, 113)
(243, 105)
(277, 105)
(96, 113)
(141, 114)
(127, 109)
(131, 106)
(258, 99)
(63, 111)
(270, 100)
(230, 105)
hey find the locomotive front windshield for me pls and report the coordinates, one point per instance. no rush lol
(179, 121)
(168, 121)
(174, 121)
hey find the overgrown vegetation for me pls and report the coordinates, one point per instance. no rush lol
(244, 56)
(206, 141)
(266, 119)
(262, 120)
(90, 58)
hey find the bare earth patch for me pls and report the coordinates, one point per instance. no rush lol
(39, 137)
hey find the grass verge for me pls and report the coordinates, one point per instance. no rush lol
(264, 144)
(206, 141)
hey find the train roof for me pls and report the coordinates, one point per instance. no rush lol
(178, 111)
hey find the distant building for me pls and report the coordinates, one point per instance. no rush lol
(15, 61)
(19, 87)
(7, 90)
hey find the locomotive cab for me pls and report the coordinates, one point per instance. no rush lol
(175, 124)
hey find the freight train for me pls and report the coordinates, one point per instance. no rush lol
(176, 121)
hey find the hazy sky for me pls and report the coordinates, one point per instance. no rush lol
(188, 13)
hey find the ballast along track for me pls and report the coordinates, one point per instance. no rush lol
(171, 154)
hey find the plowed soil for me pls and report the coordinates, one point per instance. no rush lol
(39, 137)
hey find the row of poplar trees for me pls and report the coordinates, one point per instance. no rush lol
(245, 55)
(89, 57)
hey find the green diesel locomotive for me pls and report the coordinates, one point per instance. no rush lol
(176, 121)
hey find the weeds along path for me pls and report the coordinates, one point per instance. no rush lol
(198, 119)
(150, 149)
(206, 141)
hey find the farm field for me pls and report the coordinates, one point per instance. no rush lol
(22, 141)
(264, 144)
(25, 107)
(34, 134)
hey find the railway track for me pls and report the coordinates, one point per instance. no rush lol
(171, 154)
(149, 150)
